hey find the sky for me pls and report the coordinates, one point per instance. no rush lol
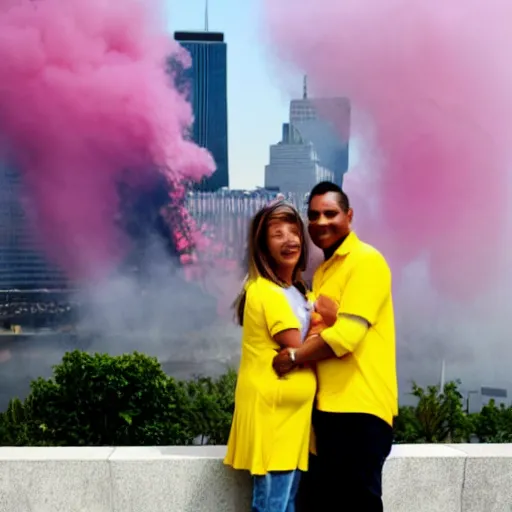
(258, 96)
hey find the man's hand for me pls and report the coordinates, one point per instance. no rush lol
(327, 308)
(282, 362)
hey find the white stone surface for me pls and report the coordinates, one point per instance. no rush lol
(417, 478)
(55, 480)
(487, 478)
(423, 478)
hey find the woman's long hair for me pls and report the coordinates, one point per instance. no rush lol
(258, 261)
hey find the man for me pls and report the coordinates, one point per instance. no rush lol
(356, 363)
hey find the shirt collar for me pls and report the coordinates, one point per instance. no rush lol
(348, 244)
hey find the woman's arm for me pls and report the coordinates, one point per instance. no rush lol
(324, 306)
(349, 332)
(288, 339)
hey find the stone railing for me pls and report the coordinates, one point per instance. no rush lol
(417, 478)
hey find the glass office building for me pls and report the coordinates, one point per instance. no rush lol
(23, 265)
(207, 80)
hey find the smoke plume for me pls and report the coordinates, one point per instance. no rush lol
(431, 82)
(94, 117)
(85, 100)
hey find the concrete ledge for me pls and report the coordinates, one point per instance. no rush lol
(487, 485)
(417, 478)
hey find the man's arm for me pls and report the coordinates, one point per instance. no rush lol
(313, 350)
(343, 337)
(365, 293)
(351, 331)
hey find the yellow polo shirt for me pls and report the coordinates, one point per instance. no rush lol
(363, 379)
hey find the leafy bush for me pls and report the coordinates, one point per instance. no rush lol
(13, 428)
(213, 404)
(102, 400)
(437, 418)
(406, 426)
(493, 424)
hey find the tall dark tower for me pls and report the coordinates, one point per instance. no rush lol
(208, 94)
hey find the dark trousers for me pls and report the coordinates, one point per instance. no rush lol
(346, 474)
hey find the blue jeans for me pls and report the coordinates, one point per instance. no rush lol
(275, 492)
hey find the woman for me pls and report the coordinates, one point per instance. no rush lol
(271, 427)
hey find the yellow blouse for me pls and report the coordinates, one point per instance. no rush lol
(272, 420)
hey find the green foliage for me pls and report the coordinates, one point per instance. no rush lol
(437, 418)
(102, 400)
(13, 429)
(494, 424)
(212, 405)
(406, 426)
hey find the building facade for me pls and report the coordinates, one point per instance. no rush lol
(294, 167)
(325, 122)
(207, 86)
(227, 213)
(314, 145)
(22, 262)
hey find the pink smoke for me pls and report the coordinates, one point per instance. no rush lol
(432, 81)
(84, 96)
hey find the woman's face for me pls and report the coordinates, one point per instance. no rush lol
(284, 243)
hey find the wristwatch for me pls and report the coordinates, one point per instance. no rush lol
(291, 351)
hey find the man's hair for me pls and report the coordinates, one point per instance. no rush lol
(328, 186)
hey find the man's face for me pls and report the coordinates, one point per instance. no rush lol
(328, 223)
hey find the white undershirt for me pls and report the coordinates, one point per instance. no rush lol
(300, 307)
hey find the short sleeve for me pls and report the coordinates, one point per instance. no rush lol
(367, 288)
(279, 315)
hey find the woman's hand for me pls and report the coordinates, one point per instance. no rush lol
(283, 363)
(327, 308)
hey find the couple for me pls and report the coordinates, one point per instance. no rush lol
(317, 367)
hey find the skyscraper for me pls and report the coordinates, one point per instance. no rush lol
(208, 94)
(314, 145)
(294, 165)
(325, 122)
